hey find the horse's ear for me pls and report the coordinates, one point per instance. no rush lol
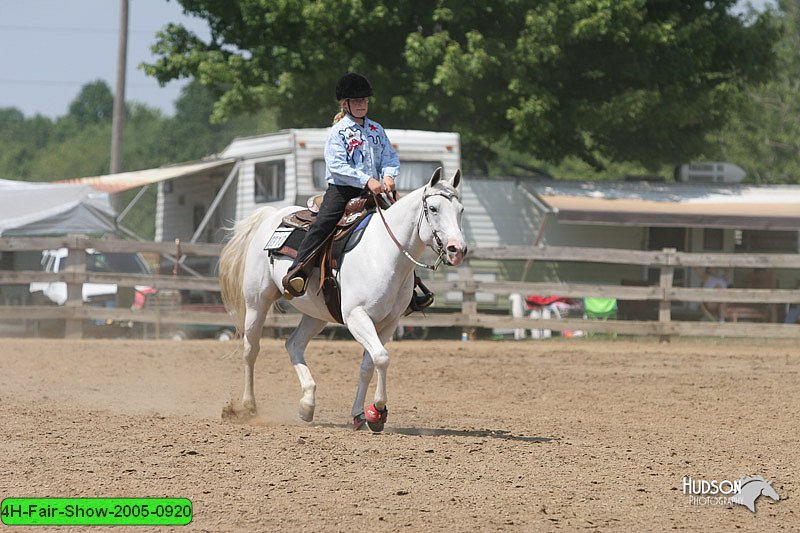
(456, 180)
(437, 175)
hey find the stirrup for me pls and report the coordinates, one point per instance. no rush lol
(419, 302)
(294, 286)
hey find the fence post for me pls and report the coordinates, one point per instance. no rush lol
(469, 306)
(73, 327)
(665, 284)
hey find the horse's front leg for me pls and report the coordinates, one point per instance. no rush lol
(365, 376)
(296, 346)
(375, 358)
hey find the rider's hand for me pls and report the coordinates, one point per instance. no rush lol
(375, 186)
(388, 183)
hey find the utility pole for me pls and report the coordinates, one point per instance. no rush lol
(118, 119)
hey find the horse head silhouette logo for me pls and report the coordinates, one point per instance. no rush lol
(752, 488)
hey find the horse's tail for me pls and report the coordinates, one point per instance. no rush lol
(232, 261)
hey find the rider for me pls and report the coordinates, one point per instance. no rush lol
(358, 157)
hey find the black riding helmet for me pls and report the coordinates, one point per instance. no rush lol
(353, 85)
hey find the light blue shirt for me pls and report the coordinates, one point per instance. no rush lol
(354, 154)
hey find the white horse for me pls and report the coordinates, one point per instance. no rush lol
(376, 280)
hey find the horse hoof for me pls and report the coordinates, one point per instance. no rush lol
(306, 412)
(358, 422)
(249, 406)
(376, 419)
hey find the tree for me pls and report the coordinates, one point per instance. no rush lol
(94, 103)
(629, 80)
(764, 136)
(191, 133)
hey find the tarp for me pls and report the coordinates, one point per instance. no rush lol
(130, 180)
(775, 207)
(32, 208)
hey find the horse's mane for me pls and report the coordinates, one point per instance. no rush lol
(751, 479)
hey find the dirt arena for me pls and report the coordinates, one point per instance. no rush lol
(488, 436)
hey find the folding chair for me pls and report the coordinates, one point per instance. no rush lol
(600, 308)
(596, 308)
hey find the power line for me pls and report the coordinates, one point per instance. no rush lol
(58, 29)
(66, 83)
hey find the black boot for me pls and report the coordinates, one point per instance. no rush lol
(295, 282)
(419, 302)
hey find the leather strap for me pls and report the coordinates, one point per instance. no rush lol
(400, 246)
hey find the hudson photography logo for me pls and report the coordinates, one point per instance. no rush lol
(744, 491)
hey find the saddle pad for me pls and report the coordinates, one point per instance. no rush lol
(355, 235)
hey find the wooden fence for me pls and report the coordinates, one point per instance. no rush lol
(74, 312)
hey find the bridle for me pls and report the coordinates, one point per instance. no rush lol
(439, 250)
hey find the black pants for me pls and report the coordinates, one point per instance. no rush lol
(331, 210)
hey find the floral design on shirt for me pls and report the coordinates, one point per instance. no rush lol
(353, 139)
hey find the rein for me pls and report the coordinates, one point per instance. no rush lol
(439, 253)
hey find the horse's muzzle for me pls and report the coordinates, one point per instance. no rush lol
(455, 252)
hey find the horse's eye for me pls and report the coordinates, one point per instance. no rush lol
(433, 209)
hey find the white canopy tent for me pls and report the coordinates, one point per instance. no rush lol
(114, 183)
(39, 209)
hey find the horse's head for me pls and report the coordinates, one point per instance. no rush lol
(751, 488)
(769, 492)
(442, 210)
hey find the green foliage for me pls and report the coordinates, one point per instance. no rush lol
(85, 153)
(191, 133)
(601, 81)
(764, 136)
(94, 104)
(511, 163)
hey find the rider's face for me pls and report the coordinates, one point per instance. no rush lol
(358, 106)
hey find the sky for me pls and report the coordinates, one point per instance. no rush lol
(49, 49)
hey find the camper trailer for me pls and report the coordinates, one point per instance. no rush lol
(278, 169)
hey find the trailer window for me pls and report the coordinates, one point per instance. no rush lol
(318, 172)
(269, 181)
(415, 174)
(771, 241)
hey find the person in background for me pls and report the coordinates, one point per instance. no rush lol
(793, 310)
(763, 278)
(713, 278)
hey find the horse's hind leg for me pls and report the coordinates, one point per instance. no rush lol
(296, 346)
(253, 324)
